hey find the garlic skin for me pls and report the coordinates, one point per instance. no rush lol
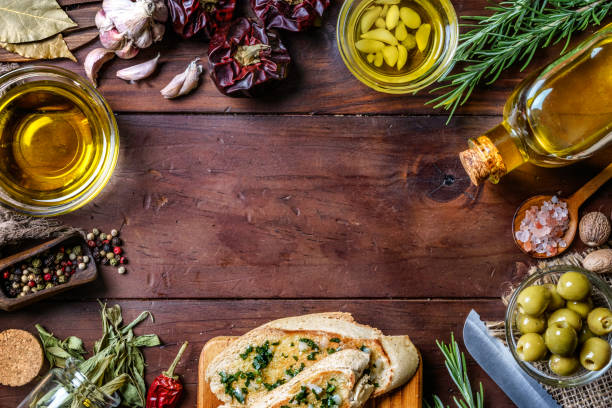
(94, 61)
(112, 39)
(126, 24)
(184, 82)
(128, 51)
(139, 71)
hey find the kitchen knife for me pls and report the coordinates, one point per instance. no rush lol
(493, 356)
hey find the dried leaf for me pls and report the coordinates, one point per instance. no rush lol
(51, 48)
(147, 340)
(31, 20)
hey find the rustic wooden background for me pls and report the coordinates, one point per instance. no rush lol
(322, 196)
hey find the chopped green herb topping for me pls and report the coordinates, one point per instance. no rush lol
(310, 343)
(278, 382)
(246, 353)
(263, 356)
(331, 350)
(313, 356)
(334, 340)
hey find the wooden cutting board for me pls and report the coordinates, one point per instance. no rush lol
(408, 396)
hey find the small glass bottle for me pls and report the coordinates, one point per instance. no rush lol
(67, 388)
(556, 116)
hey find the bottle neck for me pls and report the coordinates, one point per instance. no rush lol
(491, 156)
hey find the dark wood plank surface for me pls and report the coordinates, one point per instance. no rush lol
(324, 195)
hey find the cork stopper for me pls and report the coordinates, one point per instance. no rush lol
(482, 161)
(21, 357)
(475, 165)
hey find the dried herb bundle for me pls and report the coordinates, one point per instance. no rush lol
(513, 33)
(116, 355)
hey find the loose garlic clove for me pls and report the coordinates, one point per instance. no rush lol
(140, 71)
(129, 51)
(112, 39)
(94, 61)
(184, 82)
(103, 22)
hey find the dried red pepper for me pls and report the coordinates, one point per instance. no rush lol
(293, 15)
(192, 16)
(166, 389)
(244, 58)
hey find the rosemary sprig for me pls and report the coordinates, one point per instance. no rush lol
(514, 32)
(455, 364)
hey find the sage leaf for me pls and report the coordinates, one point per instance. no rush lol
(51, 48)
(24, 21)
(113, 385)
(147, 340)
(58, 352)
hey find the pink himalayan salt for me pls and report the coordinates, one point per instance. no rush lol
(543, 228)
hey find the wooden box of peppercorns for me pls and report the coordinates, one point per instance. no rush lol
(45, 270)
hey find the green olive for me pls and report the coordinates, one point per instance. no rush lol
(556, 301)
(584, 334)
(533, 300)
(561, 340)
(595, 354)
(530, 324)
(582, 307)
(565, 317)
(531, 347)
(573, 286)
(563, 365)
(600, 321)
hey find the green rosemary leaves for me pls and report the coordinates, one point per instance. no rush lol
(513, 33)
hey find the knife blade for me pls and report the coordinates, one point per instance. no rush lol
(493, 356)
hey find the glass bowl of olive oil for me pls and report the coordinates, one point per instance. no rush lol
(397, 46)
(59, 141)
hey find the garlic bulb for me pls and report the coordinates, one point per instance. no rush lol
(94, 61)
(127, 26)
(184, 82)
(139, 71)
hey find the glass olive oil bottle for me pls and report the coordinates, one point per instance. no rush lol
(556, 116)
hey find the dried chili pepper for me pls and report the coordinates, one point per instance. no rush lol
(166, 389)
(244, 58)
(192, 16)
(293, 15)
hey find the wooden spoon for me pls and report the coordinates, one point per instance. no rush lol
(573, 205)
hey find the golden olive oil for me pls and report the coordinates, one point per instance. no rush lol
(50, 147)
(418, 62)
(557, 116)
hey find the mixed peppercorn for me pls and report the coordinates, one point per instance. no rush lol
(51, 268)
(107, 249)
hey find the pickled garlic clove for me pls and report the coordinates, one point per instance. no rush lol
(402, 56)
(139, 71)
(368, 19)
(409, 42)
(94, 61)
(422, 36)
(400, 32)
(410, 17)
(392, 17)
(380, 34)
(369, 46)
(380, 23)
(390, 55)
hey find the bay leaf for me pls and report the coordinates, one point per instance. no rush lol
(58, 352)
(147, 340)
(31, 20)
(51, 48)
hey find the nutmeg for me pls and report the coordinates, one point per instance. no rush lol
(594, 229)
(599, 261)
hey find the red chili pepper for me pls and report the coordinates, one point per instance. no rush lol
(166, 390)
(192, 16)
(244, 58)
(292, 15)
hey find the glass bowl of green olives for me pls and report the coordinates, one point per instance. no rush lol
(559, 326)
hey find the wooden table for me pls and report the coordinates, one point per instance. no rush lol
(322, 196)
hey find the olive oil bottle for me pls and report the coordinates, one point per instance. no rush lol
(556, 116)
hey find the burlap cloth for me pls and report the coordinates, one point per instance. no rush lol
(597, 394)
